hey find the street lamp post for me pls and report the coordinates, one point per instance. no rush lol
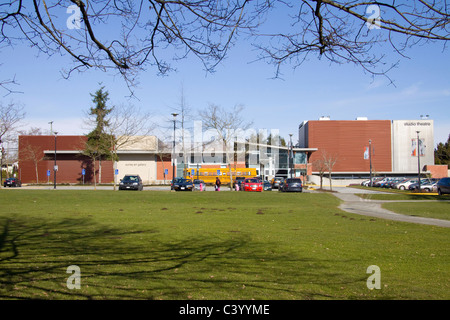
(173, 149)
(54, 167)
(418, 159)
(291, 162)
(370, 160)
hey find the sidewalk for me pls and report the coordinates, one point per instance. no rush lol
(354, 204)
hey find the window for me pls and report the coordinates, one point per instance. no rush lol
(300, 158)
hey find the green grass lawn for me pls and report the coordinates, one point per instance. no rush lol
(436, 210)
(211, 245)
(403, 196)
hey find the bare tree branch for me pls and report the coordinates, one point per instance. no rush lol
(10, 116)
(227, 124)
(349, 32)
(140, 34)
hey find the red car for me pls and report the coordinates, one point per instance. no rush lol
(252, 184)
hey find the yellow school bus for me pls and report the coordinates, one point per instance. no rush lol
(209, 175)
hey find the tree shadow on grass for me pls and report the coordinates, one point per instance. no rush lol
(139, 264)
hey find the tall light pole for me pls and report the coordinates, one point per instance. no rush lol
(173, 149)
(291, 155)
(418, 158)
(54, 167)
(370, 160)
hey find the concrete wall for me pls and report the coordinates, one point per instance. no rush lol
(404, 141)
(314, 179)
(142, 164)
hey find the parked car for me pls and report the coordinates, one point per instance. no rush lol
(429, 187)
(252, 184)
(366, 183)
(131, 182)
(267, 186)
(443, 186)
(380, 182)
(291, 185)
(390, 184)
(199, 185)
(405, 184)
(385, 182)
(415, 186)
(182, 184)
(12, 182)
(276, 182)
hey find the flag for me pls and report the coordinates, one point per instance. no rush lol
(366, 153)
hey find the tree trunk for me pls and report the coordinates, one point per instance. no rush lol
(95, 175)
(329, 177)
(37, 174)
(100, 170)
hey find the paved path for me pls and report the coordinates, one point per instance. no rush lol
(354, 204)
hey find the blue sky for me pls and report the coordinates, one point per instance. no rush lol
(317, 88)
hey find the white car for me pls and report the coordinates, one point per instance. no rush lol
(429, 187)
(405, 184)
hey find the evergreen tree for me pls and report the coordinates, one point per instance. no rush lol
(442, 153)
(98, 144)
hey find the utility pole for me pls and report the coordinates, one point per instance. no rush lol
(370, 160)
(173, 150)
(291, 155)
(418, 159)
(55, 168)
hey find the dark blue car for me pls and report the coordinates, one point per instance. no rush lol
(443, 186)
(182, 184)
(291, 185)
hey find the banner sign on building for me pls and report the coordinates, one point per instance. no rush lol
(414, 147)
(366, 153)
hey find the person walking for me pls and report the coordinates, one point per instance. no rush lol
(218, 184)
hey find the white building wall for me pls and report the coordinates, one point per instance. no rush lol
(142, 164)
(404, 141)
(137, 156)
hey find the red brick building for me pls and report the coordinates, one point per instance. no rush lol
(347, 141)
(393, 143)
(140, 156)
(37, 158)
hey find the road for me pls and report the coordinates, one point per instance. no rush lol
(354, 204)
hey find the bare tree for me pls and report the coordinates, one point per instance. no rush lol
(319, 165)
(35, 154)
(353, 31)
(140, 33)
(6, 85)
(185, 113)
(227, 124)
(325, 163)
(162, 152)
(10, 116)
(143, 34)
(127, 125)
(32, 152)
